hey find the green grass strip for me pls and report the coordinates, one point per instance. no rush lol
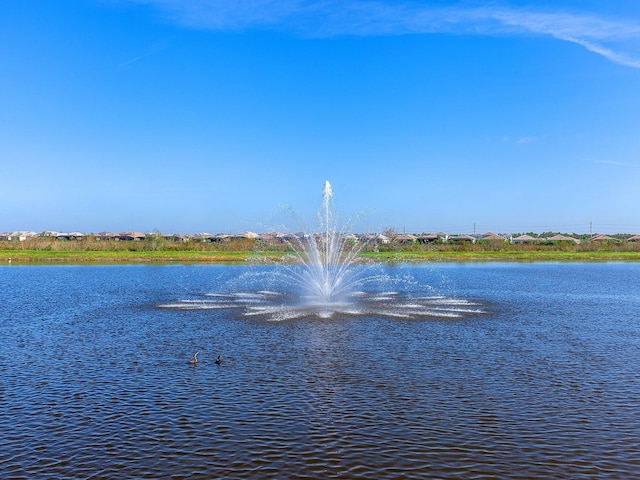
(119, 257)
(239, 257)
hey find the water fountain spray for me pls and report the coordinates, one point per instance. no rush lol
(328, 257)
(326, 279)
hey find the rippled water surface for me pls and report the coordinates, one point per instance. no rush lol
(527, 371)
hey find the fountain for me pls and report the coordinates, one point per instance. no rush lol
(328, 258)
(324, 278)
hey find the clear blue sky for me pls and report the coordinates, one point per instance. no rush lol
(209, 115)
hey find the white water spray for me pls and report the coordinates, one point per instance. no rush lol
(328, 257)
(327, 279)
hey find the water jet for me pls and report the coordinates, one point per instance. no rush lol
(326, 278)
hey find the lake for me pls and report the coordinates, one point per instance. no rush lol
(531, 372)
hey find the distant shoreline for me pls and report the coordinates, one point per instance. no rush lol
(30, 257)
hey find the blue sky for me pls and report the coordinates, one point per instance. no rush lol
(214, 116)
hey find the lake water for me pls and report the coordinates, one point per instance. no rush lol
(538, 378)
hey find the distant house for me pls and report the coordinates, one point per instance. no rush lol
(273, 238)
(268, 237)
(21, 235)
(204, 237)
(432, 237)
(177, 237)
(373, 238)
(405, 238)
(239, 236)
(131, 236)
(64, 235)
(221, 237)
(562, 238)
(106, 236)
(247, 236)
(279, 237)
(56, 235)
(603, 238)
(461, 239)
(492, 237)
(634, 238)
(526, 239)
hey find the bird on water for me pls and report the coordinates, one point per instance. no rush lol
(194, 360)
(219, 360)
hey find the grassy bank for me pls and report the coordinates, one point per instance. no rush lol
(504, 256)
(119, 257)
(157, 250)
(70, 257)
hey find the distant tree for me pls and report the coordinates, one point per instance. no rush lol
(389, 232)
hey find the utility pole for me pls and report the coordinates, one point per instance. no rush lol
(590, 228)
(474, 228)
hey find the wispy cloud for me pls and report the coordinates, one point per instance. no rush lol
(591, 32)
(523, 140)
(614, 163)
(131, 61)
(611, 38)
(154, 49)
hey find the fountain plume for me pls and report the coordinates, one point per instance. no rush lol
(328, 257)
(325, 277)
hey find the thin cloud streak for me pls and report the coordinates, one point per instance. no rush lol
(325, 18)
(616, 163)
(154, 49)
(523, 140)
(582, 30)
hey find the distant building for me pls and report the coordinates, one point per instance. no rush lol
(105, 236)
(131, 236)
(405, 238)
(461, 239)
(432, 237)
(603, 238)
(373, 238)
(492, 237)
(204, 237)
(563, 238)
(526, 239)
(21, 235)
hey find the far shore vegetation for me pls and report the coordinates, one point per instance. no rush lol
(157, 249)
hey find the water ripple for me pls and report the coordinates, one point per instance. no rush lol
(540, 385)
